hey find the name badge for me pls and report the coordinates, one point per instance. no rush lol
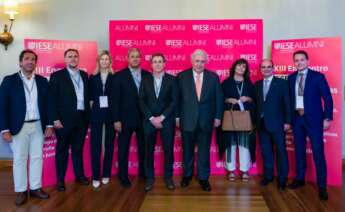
(103, 101)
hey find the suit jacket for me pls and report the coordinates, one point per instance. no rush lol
(316, 89)
(165, 104)
(125, 98)
(62, 99)
(193, 112)
(13, 102)
(276, 109)
(96, 90)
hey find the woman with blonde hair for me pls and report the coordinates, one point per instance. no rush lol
(101, 121)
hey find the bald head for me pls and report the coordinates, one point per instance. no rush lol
(266, 67)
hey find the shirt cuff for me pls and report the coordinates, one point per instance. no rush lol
(49, 126)
(151, 118)
(162, 117)
(4, 131)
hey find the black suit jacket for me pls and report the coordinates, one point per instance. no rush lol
(13, 102)
(276, 109)
(165, 104)
(96, 90)
(125, 98)
(62, 99)
(190, 110)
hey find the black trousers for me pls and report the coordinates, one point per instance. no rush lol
(73, 137)
(203, 140)
(123, 150)
(96, 149)
(167, 136)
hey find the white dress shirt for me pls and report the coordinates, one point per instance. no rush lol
(78, 87)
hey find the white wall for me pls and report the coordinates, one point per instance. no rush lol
(88, 20)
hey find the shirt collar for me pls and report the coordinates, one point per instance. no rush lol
(134, 70)
(305, 72)
(72, 72)
(25, 78)
(195, 74)
(161, 75)
(269, 78)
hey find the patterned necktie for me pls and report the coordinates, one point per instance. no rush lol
(266, 87)
(301, 84)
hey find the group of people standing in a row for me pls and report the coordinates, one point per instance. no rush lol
(134, 100)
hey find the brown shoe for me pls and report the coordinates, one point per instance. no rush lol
(21, 198)
(39, 193)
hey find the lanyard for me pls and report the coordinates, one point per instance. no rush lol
(26, 87)
(240, 90)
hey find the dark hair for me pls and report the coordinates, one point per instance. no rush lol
(240, 62)
(158, 54)
(26, 51)
(301, 52)
(70, 50)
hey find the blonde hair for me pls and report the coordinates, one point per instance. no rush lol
(101, 54)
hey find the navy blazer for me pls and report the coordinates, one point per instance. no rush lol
(210, 107)
(13, 102)
(165, 104)
(96, 90)
(125, 98)
(62, 99)
(276, 109)
(316, 89)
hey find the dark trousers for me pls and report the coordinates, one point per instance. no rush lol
(123, 150)
(167, 136)
(203, 141)
(96, 149)
(267, 141)
(301, 129)
(73, 137)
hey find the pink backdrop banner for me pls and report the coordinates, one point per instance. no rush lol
(223, 40)
(50, 59)
(326, 57)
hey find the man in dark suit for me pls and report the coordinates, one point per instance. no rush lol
(69, 110)
(200, 110)
(126, 113)
(273, 119)
(23, 120)
(158, 99)
(310, 117)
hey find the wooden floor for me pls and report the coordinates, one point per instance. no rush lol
(225, 196)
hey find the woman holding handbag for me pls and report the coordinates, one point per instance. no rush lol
(239, 97)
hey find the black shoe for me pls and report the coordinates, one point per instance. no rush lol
(281, 186)
(296, 184)
(265, 181)
(60, 186)
(323, 195)
(169, 184)
(83, 181)
(185, 182)
(125, 182)
(21, 198)
(205, 185)
(149, 184)
(39, 193)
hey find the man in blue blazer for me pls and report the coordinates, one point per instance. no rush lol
(23, 120)
(310, 117)
(273, 118)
